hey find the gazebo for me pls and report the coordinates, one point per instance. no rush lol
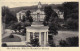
(37, 29)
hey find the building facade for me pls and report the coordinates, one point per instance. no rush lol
(37, 15)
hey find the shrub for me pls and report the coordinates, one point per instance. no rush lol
(72, 23)
(4, 45)
(51, 42)
(11, 36)
(45, 23)
(71, 41)
(63, 43)
(35, 42)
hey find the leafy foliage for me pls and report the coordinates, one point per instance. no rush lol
(35, 42)
(23, 19)
(20, 25)
(11, 36)
(51, 20)
(63, 43)
(51, 42)
(72, 23)
(53, 23)
(72, 41)
(7, 16)
(28, 14)
(16, 26)
(69, 9)
(71, 13)
(48, 11)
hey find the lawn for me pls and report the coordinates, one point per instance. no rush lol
(15, 39)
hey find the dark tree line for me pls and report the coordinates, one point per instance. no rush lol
(48, 11)
(10, 20)
(7, 16)
(70, 42)
(28, 17)
(51, 19)
(70, 10)
(71, 13)
(25, 21)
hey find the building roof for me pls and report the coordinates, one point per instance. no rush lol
(37, 23)
(37, 27)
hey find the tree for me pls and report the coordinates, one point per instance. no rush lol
(23, 19)
(16, 26)
(7, 16)
(51, 42)
(69, 8)
(63, 43)
(11, 36)
(35, 42)
(48, 11)
(5, 10)
(29, 17)
(53, 23)
(19, 27)
(72, 24)
(28, 13)
(71, 13)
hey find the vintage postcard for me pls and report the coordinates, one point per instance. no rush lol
(39, 25)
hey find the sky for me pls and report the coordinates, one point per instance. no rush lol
(20, 3)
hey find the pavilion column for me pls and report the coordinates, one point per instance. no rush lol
(28, 36)
(44, 38)
(47, 36)
(37, 17)
(40, 38)
(33, 35)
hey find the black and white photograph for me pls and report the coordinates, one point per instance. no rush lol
(40, 24)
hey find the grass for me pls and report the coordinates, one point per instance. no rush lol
(15, 39)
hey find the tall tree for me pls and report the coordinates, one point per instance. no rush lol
(28, 13)
(71, 14)
(29, 17)
(53, 23)
(23, 19)
(48, 11)
(7, 15)
(69, 8)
